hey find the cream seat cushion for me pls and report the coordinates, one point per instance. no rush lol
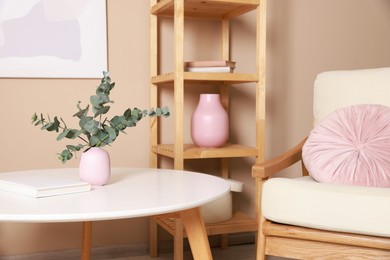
(305, 202)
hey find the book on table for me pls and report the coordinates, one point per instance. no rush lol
(37, 186)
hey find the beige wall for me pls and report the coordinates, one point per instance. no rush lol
(304, 38)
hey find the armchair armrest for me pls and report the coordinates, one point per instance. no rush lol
(283, 161)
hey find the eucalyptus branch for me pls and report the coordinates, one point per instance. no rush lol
(86, 141)
(47, 124)
(62, 120)
(96, 133)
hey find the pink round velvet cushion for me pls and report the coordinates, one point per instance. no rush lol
(351, 146)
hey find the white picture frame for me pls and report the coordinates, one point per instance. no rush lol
(53, 38)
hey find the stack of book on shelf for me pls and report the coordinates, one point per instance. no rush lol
(221, 66)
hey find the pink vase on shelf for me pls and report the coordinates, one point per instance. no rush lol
(210, 122)
(95, 167)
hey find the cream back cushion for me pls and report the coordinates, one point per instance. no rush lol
(337, 89)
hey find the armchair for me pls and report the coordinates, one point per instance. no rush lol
(302, 218)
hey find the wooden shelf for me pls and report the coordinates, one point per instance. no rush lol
(191, 151)
(180, 80)
(210, 9)
(239, 223)
(198, 77)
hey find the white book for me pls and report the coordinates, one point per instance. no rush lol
(210, 63)
(225, 69)
(37, 186)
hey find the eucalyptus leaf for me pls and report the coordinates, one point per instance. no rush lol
(103, 138)
(111, 132)
(136, 115)
(65, 156)
(52, 126)
(105, 98)
(91, 127)
(82, 112)
(158, 111)
(74, 148)
(165, 111)
(74, 133)
(34, 118)
(39, 122)
(102, 111)
(84, 120)
(93, 141)
(96, 101)
(63, 134)
(152, 113)
(144, 113)
(69, 133)
(119, 122)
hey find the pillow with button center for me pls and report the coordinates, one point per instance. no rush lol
(351, 146)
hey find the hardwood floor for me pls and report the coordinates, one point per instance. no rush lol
(236, 252)
(242, 252)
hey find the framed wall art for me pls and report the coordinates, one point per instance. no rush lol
(53, 38)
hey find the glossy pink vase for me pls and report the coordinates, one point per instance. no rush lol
(95, 166)
(210, 122)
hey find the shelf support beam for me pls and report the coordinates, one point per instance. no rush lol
(179, 83)
(153, 121)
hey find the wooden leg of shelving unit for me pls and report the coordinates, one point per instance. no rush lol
(153, 251)
(260, 239)
(224, 239)
(178, 238)
(86, 240)
(196, 233)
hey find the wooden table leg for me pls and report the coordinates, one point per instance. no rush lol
(86, 240)
(153, 240)
(196, 233)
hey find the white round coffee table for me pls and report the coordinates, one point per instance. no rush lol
(131, 192)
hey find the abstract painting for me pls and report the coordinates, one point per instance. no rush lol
(53, 38)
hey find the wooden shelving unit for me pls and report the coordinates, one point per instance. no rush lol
(239, 223)
(191, 151)
(210, 9)
(198, 77)
(223, 11)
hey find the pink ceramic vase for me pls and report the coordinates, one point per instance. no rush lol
(210, 122)
(95, 166)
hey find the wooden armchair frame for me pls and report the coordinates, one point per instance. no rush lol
(307, 243)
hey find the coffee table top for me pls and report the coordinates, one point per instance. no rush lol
(131, 192)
